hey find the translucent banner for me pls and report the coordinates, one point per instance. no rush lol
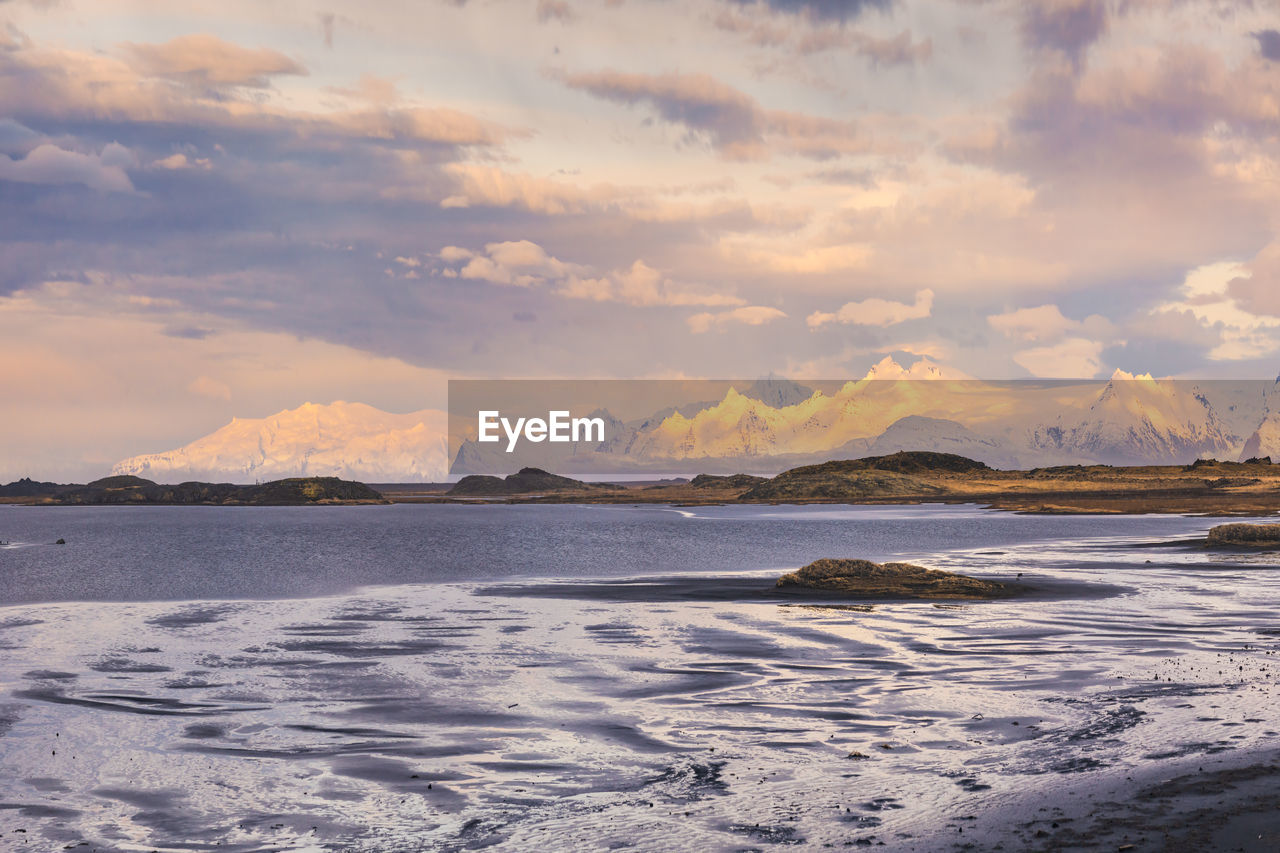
(653, 428)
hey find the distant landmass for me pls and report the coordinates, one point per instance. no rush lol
(764, 427)
(524, 481)
(348, 440)
(127, 489)
(769, 426)
(28, 488)
(1206, 486)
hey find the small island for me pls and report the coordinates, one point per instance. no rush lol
(865, 579)
(129, 490)
(1244, 536)
(523, 482)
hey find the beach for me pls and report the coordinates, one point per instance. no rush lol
(1128, 699)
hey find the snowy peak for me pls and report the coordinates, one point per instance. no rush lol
(350, 440)
(887, 368)
(1140, 419)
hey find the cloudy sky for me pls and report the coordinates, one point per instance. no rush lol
(229, 208)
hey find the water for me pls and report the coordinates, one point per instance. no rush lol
(453, 677)
(191, 553)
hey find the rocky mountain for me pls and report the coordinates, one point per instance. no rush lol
(767, 426)
(1265, 440)
(348, 440)
(1140, 420)
(916, 432)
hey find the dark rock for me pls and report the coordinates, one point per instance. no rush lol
(28, 488)
(866, 579)
(1244, 535)
(296, 490)
(898, 474)
(524, 481)
(733, 481)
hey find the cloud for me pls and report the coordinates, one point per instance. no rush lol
(732, 122)
(749, 315)
(519, 263)
(206, 61)
(49, 164)
(788, 258)
(189, 333)
(812, 37)
(1259, 291)
(820, 10)
(1224, 298)
(1066, 26)
(1156, 159)
(523, 263)
(643, 285)
(326, 20)
(522, 253)
(896, 50)
(181, 161)
(1072, 358)
(476, 184)
(1067, 348)
(17, 138)
(1042, 323)
(1268, 44)
(554, 10)
(69, 86)
(875, 312)
(453, 254)
(205, 386)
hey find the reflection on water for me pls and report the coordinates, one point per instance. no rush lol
(494, 713)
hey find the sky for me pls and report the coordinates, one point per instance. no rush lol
(228, 209)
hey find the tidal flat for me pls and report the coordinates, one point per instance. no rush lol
(511, 677)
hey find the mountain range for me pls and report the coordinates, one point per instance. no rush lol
(768, 426)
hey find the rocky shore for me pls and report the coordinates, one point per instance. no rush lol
(865, 579)
(1244, 536)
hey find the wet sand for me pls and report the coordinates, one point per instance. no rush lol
(700, 711)
(1224, 802)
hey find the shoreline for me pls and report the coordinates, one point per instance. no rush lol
(1223, 801)
(1026, 503)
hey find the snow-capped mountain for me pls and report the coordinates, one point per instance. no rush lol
(349, 440)
(772, 425)
(924, 368)
(916, 432)
(1265, 440)
(1129, 419)
(1139, 419)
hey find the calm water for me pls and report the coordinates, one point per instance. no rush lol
(445, 677)
(190, 553)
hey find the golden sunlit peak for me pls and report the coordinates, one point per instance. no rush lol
(1126, 376)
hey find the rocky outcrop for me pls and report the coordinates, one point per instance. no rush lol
(732, 481)
(523, 482)
(895, 475)
(28, 488)
(1244, 536)
(865, 579)
(294, 491)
